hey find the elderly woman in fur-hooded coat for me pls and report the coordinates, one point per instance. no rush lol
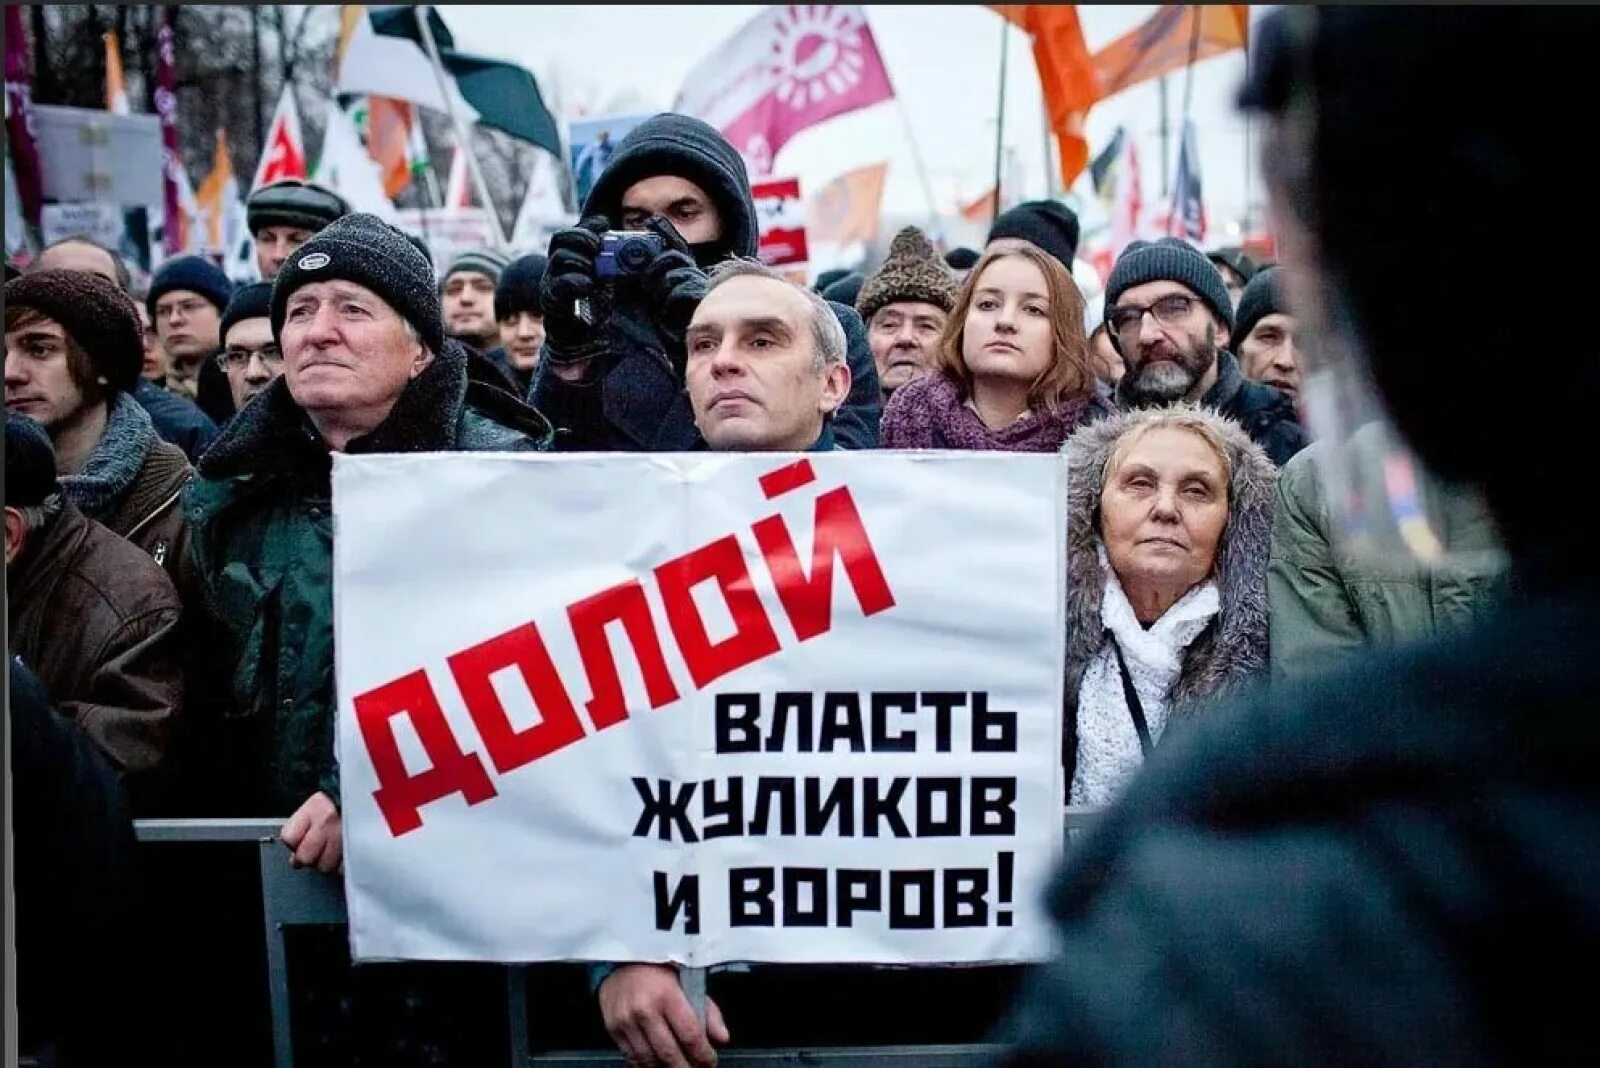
(1168, 528)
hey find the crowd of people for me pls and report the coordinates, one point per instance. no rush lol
(169, 544)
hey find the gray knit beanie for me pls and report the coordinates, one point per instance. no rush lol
(485, 261)
(1170, 259)
(1259, 300)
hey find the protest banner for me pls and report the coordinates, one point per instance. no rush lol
(590, 144)
(699, 708)
(781, 217)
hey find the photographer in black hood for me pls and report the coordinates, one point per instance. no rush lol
(612, 373)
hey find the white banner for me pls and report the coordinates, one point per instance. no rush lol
(699, 708)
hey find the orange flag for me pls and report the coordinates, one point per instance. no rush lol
(116, 89)
(1167, 40)
(982, 209)
(1066, 74)
(218, 192)
(846, 209)
(389, 140)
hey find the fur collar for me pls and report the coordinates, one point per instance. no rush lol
(115, 462)
(1234, 644)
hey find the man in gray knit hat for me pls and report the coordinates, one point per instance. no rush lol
(1170, 317)
(468, 290)
(905, 306)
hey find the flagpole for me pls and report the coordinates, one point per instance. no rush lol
(922, 170)
(463, 137)
(1000, 120)
(1188, 98)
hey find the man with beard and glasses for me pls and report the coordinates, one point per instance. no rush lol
(1170, 318)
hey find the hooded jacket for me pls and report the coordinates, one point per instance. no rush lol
(1233, 646)
(637, 401)
(260, 576)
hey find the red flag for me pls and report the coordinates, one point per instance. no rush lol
(284, 154)
(175, 225)
(19, 118)
(789, 68)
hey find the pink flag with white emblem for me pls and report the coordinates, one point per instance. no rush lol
(790, 67)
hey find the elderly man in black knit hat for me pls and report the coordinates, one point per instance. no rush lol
(613, 372)
(286, 214)
(186, 299)
(73, 353)
(366, 368)
(905, 305)
(1170, 318)
(521, 319)
(250, 356)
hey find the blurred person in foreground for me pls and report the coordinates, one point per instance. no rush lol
(1382, 863)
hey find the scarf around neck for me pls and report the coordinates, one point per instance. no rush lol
(115, 462)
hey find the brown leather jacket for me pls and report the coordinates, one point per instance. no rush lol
(149, 513)
(98, 623)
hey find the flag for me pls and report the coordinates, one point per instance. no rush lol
(216, 197)
(284, 154)
(846, 209)
(347, 169)
(789, 68)
(1102, 170)
(458, 187)
(1127, 206)
(1066, 76)
(1168, 40)
(175, 223)
(116, 91)
(384, 55)
(389, 140)
(23, 150)
(984, 208)
(1188, 216)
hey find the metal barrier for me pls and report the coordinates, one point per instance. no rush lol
(301, 896)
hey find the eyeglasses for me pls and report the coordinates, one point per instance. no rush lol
(1170, 310)
(237, 359)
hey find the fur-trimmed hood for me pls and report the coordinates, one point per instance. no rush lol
(1234, 646)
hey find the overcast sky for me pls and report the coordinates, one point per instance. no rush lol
(945, 66)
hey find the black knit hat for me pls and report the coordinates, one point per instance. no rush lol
(363, 249)
(253, 301)
(291, 202)
(193, 273)
(30, 463)
(684, 147)
(913, 271)
(962, 258)
(1051, 226)
(1236, 259)
(828, 277)
(518, 290)
(1169, 259)
(846, 289)
(1259, 300)
(95, 313)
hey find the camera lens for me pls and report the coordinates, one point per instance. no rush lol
(633, 254)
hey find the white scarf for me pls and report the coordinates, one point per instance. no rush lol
(1108, 744)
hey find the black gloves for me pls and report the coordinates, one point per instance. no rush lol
(673, 285)
(575, 332)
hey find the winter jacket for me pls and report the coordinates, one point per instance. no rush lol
(1233, 647)
(98, 622)
(1379, 865)
(929, 413)
(260, 573)
(132, 483)
(636, 401)
(1328, 602)
(176, 419)
(73, 847)
(1268, 415)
